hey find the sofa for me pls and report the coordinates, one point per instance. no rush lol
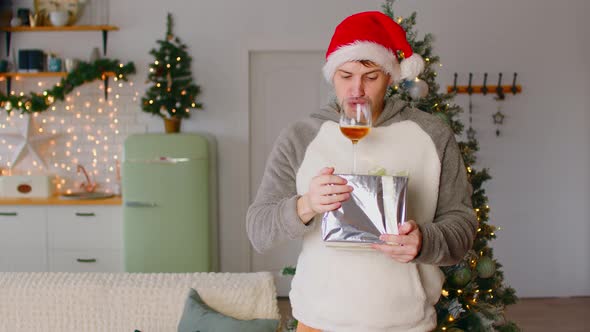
(61, 301)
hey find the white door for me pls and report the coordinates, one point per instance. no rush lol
(285, 86)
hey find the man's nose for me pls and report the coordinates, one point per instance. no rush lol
(357, 88)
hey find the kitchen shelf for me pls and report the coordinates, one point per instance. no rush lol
(44, 74)
(9, 76)
(65, 28)
(104, 28)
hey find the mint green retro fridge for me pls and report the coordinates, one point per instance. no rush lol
(167, 182)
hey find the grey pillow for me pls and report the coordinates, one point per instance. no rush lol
(199, 317)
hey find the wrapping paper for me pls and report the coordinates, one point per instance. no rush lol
(377, 206)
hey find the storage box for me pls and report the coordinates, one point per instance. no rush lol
(29, 186)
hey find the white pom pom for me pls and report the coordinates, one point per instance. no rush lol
(412, 66)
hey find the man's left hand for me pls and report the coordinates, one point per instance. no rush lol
(403, 247)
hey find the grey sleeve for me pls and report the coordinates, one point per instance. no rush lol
(451, 235)
(273, 217)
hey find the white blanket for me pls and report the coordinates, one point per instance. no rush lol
(58, 301)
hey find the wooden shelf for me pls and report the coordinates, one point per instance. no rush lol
(44, 74)
(39, 74)
(65, 28)
(103, 28)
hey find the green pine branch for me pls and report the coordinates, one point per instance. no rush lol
(85, 72)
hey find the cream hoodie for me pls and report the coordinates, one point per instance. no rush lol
(343, 290)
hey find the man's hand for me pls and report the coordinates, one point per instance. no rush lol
(403, 247)
(326, 193)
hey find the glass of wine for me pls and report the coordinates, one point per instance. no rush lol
(355, 121)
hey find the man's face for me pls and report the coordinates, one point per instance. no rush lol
(353, 79)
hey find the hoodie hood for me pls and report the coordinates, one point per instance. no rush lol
(391, 107)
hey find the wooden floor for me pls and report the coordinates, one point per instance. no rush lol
(535, 315)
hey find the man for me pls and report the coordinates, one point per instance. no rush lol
(395, 286)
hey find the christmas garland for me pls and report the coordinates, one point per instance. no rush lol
(85, 72)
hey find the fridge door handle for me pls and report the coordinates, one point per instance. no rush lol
(140, 204)
(161, 160)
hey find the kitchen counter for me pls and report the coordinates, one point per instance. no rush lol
(55, 200)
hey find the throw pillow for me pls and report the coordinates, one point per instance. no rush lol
(199, 317)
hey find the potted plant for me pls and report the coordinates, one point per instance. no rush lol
(172, 93)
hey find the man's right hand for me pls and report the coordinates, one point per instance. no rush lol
(326, 193)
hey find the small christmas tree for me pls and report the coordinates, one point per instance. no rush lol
(173, 92)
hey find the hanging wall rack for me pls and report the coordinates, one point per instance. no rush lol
(499, 89)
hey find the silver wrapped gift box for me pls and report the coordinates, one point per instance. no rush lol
(377, 206)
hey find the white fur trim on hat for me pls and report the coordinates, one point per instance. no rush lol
(412, 66)
(362, 50)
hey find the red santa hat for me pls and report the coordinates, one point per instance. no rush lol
(376, 37)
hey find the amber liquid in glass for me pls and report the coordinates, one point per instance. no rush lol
(355, 133)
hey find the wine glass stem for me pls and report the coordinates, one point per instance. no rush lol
(354, 157)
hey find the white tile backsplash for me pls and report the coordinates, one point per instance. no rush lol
(89, 131)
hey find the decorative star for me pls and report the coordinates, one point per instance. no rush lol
(30, 141)
(498, 117)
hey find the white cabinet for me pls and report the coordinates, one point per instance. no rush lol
(70, 238)
(23, 239)
(85, 238)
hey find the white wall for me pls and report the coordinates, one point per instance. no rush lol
(541, 188)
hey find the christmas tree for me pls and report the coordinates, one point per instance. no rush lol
(173, 92)
(474, 296)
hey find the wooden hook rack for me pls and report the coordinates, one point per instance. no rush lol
(499, 89)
